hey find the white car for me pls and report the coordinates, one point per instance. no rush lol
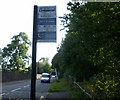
(53, 76)
(45, 77)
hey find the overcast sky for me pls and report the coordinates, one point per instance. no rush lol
(17, 16)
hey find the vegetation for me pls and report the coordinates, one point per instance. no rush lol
(15, 55)
(59, 85)
(62, 85)
(90, 51)
(0, 56)
(43, 66)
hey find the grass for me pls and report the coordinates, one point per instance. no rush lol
(88, 87)
(77, 94)
(58, 86)
(74, 91)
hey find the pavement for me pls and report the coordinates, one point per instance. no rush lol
(57, 96)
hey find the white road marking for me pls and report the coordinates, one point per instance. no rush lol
(7, 93)
(15, 89)
(2, 94)
(26, 86)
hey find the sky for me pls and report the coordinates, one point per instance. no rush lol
(17, 16)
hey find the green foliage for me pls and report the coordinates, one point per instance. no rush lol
(15, 54)
(58, 86)
(43, 66)
(76, 93)
(0, 57)
(91, 46)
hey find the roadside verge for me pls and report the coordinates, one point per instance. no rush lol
(58, 90)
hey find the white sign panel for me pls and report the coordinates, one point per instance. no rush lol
(46, 26)
(46, 15)
(47, 12)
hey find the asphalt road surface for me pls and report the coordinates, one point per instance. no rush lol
(21, 89)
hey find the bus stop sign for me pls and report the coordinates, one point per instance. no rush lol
(46, 24)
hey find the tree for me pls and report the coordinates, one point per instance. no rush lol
(91, 46)
(0, 58)
(43, 66)
(15, 54)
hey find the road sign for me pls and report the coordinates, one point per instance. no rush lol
(44, 30)
(47, 21)
(47, 12)
(46, 24)
(47, 37)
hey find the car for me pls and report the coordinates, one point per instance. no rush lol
(45, 78)
(53, 76)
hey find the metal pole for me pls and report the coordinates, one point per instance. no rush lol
(34, 45)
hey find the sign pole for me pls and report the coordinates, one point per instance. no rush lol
(34, 45)
(44, 30)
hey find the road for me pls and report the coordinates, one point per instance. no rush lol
(21, 89)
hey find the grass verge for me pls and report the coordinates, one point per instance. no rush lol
(89, 87)
(74, 91)
(59, 85)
